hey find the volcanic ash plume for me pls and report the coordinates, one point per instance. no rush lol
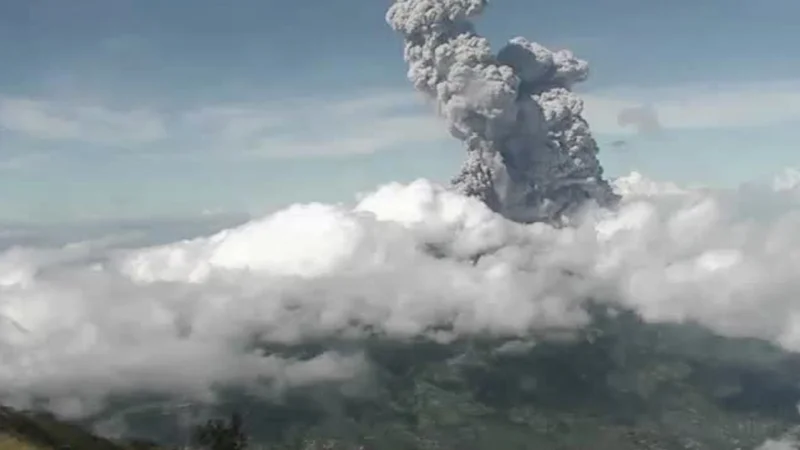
(530, 154)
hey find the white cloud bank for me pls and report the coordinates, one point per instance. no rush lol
(81, 322)
(778, 445)
(370, 122)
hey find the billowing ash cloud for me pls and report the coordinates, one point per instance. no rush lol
(84, 322)
(530, 154)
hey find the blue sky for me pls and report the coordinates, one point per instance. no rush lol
(132, 109)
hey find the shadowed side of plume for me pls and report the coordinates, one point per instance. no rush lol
(530, 154)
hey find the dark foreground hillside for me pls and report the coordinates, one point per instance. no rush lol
(39, 431)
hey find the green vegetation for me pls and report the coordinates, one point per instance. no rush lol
(621, 385)
(42, 431)
(218, 434)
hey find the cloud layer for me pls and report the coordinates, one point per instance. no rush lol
(374, 121)
(84, 321)
(58, 121)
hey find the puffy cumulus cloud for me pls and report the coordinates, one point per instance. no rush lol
(401, 262)
(778, 445)
(788, 180)
(789, 441)
(84, 322)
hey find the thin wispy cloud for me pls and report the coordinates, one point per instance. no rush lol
(367, 123)
(43, 119)
(694, 106)
(18, 162)
(363, 124)
(643, 118)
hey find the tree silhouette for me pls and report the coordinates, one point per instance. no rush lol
(218, 434)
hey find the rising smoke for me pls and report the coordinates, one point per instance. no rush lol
(84, 322)
(530, 155)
